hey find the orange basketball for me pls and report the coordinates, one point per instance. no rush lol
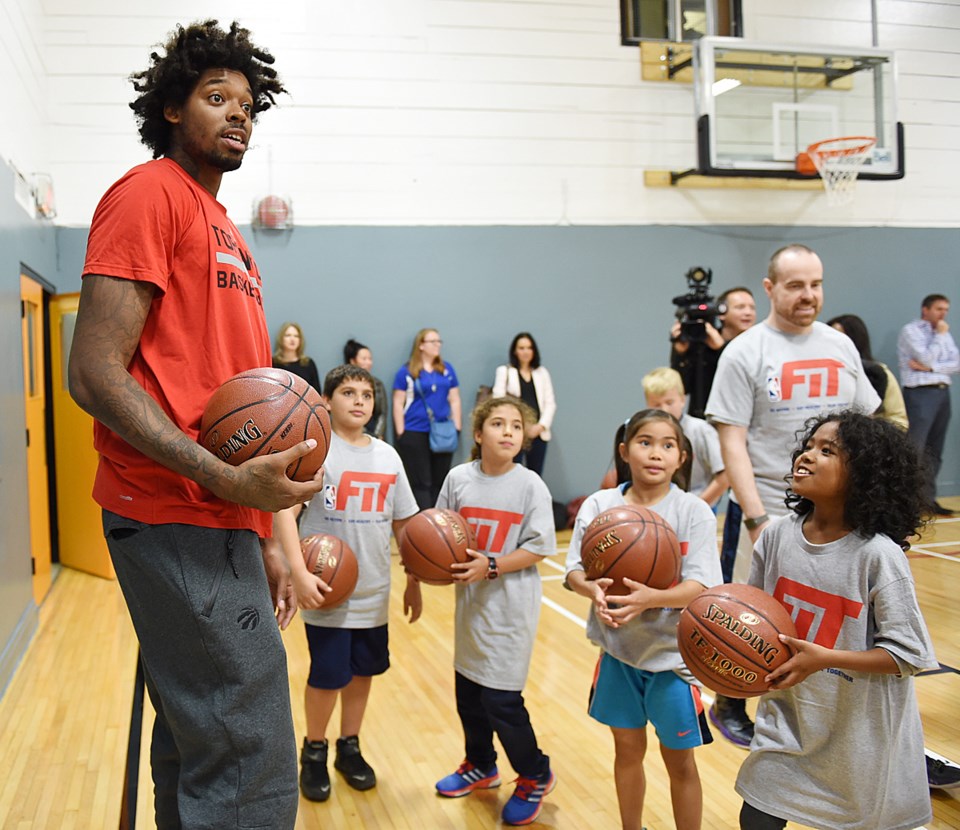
(263, 411)
(335, 563)
(728, 637)
(633, 542)
(433, 540)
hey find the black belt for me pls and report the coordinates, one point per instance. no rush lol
(932, 386)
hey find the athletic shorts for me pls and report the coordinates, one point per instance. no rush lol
(627, 698)
(337, 655)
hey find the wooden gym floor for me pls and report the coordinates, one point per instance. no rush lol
(64, 718)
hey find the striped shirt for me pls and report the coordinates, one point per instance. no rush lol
(919, 342)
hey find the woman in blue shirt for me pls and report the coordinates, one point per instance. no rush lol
(424, 381)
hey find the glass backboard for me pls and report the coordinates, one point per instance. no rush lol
(759, 105)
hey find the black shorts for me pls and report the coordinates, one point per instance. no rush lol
(337, 655)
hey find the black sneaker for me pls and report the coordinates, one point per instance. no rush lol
(941, 510)
(350, 764)
(942, 775)
(314, 778)
(729, 715)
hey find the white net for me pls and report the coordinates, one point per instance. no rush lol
(838, 161)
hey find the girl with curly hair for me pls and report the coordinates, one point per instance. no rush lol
(838, 740)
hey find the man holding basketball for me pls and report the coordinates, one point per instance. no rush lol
(769, 381)
(170, 308)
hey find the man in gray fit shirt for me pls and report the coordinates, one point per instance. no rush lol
(769, 381)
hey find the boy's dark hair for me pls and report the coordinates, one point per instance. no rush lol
(190, 52)
(337, 376)
(632, 426)
(885, 477)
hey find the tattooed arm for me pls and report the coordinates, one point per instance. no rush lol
(110, 320)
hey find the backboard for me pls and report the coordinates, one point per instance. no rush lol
(759, 104)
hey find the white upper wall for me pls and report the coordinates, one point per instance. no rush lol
(469, 111)
(24, 137)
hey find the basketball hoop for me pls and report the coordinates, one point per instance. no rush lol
(838, 161)
(273, 213)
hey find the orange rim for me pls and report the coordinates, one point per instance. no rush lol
(850, 145)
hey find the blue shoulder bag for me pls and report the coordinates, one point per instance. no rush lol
(443, 433)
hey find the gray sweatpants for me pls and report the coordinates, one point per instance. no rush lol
(223, 753)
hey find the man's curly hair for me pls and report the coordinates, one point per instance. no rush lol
(190, 52)
(885, 477)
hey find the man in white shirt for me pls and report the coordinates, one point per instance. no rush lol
(928, 355)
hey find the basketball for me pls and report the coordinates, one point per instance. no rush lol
(334, 562)
(433, 540)
(263, 411)
(728, 637)
(633, 542)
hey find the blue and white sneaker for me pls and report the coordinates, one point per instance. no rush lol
(468, 778)
(527, 800)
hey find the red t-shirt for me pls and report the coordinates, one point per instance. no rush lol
(206, 324)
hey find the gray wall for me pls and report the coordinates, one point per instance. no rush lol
(596, 298)
(22, 241)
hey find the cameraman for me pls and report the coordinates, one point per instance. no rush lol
(740, 314)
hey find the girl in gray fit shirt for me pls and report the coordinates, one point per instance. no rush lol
(838, 741)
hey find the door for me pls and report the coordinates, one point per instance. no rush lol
(81, 541)
(31, 304)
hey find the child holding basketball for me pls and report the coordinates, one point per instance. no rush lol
(663, 389)
(640, 675)
(365, 496)
(838, 742)
(498, 605)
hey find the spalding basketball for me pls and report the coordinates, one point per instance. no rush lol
(335, 563)
(728, 637)
(433, 540)
(631, 541)
(263, 411)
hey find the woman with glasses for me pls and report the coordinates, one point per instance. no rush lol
(424, 388)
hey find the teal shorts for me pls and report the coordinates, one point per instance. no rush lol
(627, 698)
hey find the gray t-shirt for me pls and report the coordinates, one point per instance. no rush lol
(365, 490)
(772, 382)
(496, 620)
(842, 749)
(707, 459)
(649, 640)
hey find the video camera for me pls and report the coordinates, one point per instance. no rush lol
(696, 307)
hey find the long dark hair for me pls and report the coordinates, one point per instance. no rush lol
(885, 476)
(535, 363)
(856, 330)
(351, 349)
(632, 426)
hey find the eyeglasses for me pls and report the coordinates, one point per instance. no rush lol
(438, 342)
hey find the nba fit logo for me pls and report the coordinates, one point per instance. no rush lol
(371, 488)
(818, 615)
(821, 378)
(491, 527)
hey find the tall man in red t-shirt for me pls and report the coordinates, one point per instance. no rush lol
(171, 307)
